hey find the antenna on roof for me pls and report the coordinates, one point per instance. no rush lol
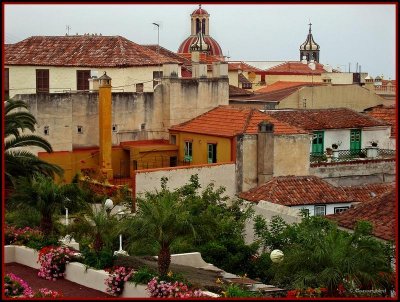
(67, 28)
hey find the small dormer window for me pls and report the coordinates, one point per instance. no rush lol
(46, 130)
(80, 129)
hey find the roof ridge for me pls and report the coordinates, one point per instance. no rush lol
(250, 115)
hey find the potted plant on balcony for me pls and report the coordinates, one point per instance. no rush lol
(372, 150)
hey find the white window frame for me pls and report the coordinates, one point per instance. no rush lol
(316, 209)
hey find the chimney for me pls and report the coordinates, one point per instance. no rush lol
(312, 65)
(220, 70)
(170, 70)
(105, 109)
(265, 152)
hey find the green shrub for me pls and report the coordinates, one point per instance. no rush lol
(235, 291)
(38, 243)
(142, 276)
(21, 218)
(98, 260)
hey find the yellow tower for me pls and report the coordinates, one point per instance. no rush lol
(105, 125)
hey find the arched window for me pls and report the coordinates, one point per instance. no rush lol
(203, 27)
(197, 25)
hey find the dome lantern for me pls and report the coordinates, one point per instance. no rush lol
(309, 49)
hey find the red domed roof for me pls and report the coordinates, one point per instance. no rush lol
(200, 11)
(215, 48)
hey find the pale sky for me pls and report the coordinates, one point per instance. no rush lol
(357, 33)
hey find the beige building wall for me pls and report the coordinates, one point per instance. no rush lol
(22, 79)
(219, 174)
(291, 157)
(319, 97)
(272, 78)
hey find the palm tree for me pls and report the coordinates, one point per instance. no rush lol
(161, 218)
(43, 194)
(21, 162)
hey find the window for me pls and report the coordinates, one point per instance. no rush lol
(319, 210)
(6, 84)
(80, 129)
(135, 165)
(139, 87)
(173, 161)
(247, 85)
(46, 130)
(212, 153)
(143, 126)
(188, 152)
(172, 140)
(304, 103)
(269, 106)
(115, 128)
(42, 81)
(157, 75)
(82, 79)
(339, 209)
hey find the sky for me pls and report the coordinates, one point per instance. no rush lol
(363, 34)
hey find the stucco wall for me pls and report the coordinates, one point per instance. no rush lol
(329, 208)
(291, 157)
(318, 97)
(342, 136)
(199, 147)
(356, 173)
(219, 174)
(22, 79)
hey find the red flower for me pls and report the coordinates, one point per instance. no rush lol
(291, 293)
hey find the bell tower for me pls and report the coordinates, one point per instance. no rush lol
(309, 49)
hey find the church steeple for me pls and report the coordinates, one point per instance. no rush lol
(309, 49)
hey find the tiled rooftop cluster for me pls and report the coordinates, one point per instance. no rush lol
(295, 67)
(82, 50)
(385, 113)
(381, 212)
(229, 121)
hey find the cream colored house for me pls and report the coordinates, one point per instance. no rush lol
(57, 64)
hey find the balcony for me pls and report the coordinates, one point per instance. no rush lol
(336, 156)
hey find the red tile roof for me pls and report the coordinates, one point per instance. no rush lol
(381, 212)
(169, 54)
(296, 190)
(236, 91)
(295, 68)
(230, 121)
(367, 192)
(82, 50)
(280, 85)
(318, 119)
(242, 66)
(385, 113)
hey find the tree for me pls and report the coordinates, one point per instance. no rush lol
(161, 218)
(318, 254)
(43, 194)
(21, 162)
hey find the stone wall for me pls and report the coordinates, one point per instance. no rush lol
(356, 173)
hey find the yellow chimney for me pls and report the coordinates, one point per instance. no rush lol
(105, 125)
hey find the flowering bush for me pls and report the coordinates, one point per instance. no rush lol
(14, 286)
(21, 236)
(309, 293)
(163, 289)
(47, 293)
(53, 260)
(115, 282)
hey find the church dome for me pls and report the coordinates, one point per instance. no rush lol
(214, 50)
(309, 43)
(200, 38)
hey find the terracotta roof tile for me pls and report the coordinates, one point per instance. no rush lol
(230, 121)
(318, 119)
(168, 53)
(385, 113)
(82, 50)
(236, 91)
(279, 85)
(367, 192)
(242, 66)
(295, 68)
(297, 190)
(381, 212)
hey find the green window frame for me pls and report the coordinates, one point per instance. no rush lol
(188, 152)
